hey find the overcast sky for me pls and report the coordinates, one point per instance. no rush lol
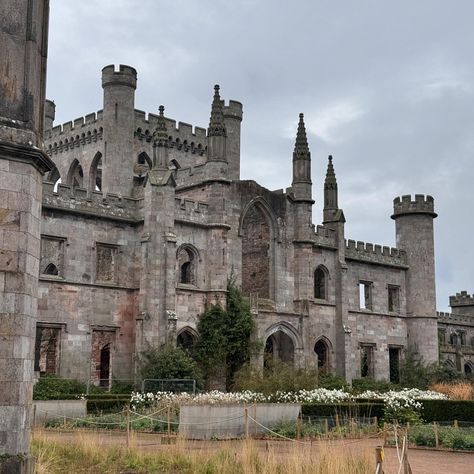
(387, 88)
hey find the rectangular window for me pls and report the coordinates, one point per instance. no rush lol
(394, 362)
(366, 360)
(106, 262)
(47, 350)
(393, 299)
(462, 337)
(52, 256)
(442, 336)
(365, 295)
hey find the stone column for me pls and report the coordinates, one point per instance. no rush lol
(23, 40)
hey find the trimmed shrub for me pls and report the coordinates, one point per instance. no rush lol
(368, 383)
(447, 410)
(349, 410)
(52, 387)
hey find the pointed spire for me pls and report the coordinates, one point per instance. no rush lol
(330, 187)
(301, 151)
(216, 123)
(160, 135)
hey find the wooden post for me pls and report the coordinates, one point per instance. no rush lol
(168, 417)
(246, 410)
(326, 427)
(456, 423)
(376, 424)
(254, 416)
(435, 429)
(406, 464)
(384, 433)
(298, 427)
(128, 426)
(379, 456)
(34, 415)
(337, 420)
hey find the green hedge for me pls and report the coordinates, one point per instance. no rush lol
(106, 402)
(348, 409)
(448, 410)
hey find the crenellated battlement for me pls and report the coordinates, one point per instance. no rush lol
(77, 200)
(461, 299)
(190, 210)
(123, 76)
(450, 318)
(233, 109)
(420, 205)
(324, 236)
(375, 253)
(182, 135)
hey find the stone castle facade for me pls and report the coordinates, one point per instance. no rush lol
(144, 220)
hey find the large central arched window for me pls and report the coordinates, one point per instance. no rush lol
(75, 176)
(320, 283)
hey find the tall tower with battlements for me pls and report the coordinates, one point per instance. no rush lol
(23, 51)
(414, 235)
(118, 122)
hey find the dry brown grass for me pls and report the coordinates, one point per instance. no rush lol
(89, 454)
(455, 390)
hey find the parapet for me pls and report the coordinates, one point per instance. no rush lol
(124, 76)
(77, 201)
(451, 318)
(49, 114)
(191, 211)
(421, 205)
(461, 299)
(376, 254)
(233, 110)
(324, 236)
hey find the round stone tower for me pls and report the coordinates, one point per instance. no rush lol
(118, 123)
(414, 234)
(49, 114)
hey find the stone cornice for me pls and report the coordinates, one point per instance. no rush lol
(26, 154)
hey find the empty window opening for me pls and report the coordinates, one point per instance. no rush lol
(104, 366)
(51, 256)
(321, 351)
(394, 363)
(320, 283)
(96, 173)
(106, 256)
(468, 370)
(47, 350)
(75, 177)
(279, 348)
(366, 361)
(365, 295)
(186, 265)
(393, 299)
(101, 357)
(441, 336)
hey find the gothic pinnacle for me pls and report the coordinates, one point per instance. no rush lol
(216, 123)
(330, 180)
(160, 135)
(301, 151)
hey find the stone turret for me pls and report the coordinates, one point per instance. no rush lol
(462, 303)
(216, 132)
(23, 51)
(49, 114)
(331, 212)
(233, 119)
(414, 234)
(301, 184)
(118, 123)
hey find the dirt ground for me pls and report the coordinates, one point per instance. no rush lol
(422, 461)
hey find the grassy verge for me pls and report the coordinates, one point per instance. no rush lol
(88, 455)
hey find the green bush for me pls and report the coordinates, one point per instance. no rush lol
(368, 383)
(168, 362)
(448, 437)
(281, 377)
(346, 409)
(52, 387)
(447, 410)
(332, 381)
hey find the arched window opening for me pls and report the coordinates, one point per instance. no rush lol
(186, 266)
(256, 249)
(279, 348)
(75, 176)
(143, 165)
(468, 370)
(51, 269)
(320, 283)
(322, 353)
(453, 339)
(104, 366)
(96, 173)
(54, 177)
(186, 340)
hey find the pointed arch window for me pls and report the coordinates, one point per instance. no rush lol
(75, 176)
(187, 265)
(320, 283)
(96, 173)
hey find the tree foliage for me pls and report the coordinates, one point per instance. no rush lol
(168, 362)
(225, 337)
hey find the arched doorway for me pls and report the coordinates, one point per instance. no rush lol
(279, 347)
(322, 353)
(256, 249)
(186, 339)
